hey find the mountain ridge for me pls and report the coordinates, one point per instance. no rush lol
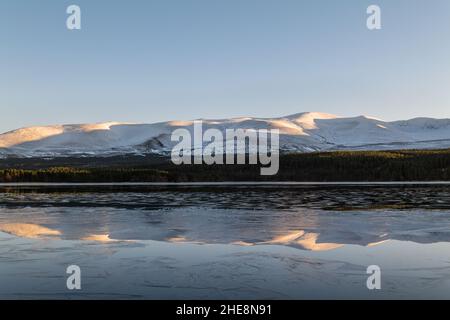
(299, 132)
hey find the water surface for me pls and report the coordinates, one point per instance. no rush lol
(225, 241)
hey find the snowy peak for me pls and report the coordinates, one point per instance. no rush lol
(23, 135)
(301, 132)
(310, 117)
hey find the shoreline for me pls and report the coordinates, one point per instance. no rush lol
(227, 183)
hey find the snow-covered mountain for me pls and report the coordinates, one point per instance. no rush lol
(303, 132)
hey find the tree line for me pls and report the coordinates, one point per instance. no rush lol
(411, 165)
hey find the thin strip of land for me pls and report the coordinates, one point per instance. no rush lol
(320, 167)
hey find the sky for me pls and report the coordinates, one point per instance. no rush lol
(159, 60)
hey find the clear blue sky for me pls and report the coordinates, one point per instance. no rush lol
(147, 61)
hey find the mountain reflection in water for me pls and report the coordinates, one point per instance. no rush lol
(235, 242)
(305, 217)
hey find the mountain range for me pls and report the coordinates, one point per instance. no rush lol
(302, 132)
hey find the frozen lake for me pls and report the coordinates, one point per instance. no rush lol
(225, 241)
